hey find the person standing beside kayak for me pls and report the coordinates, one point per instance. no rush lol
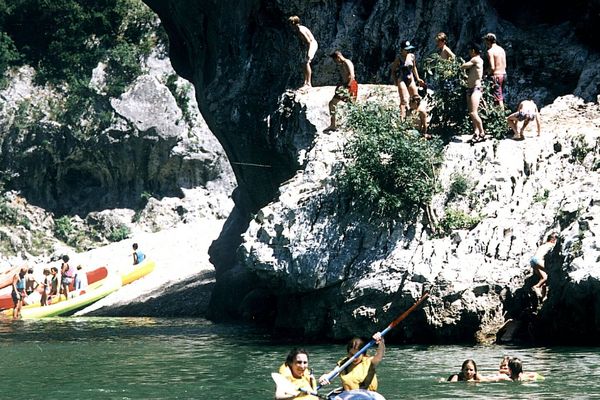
(361, 373)
(18, 292)
(67, 273)
(295, 369)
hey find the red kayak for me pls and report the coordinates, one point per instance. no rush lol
(92, 276)
(7, 276)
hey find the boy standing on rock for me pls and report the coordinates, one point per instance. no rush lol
(308, 39)
(346, 91)
(538, 264)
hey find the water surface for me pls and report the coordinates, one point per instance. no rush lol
(148, 358)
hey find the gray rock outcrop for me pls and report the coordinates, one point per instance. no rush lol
(241, 56)
(318, 264)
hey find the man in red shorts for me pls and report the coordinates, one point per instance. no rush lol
(346, 91)
(497, 58)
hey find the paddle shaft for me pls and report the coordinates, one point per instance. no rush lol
(366, 347)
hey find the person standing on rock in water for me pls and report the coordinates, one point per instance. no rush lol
(474, 69)
(138, 256)
(346, 91)
(441, 40)
(538, 264)
(309, 40)
(497, 58)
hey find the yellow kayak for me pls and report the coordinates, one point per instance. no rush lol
(138, 272)
(82, 298)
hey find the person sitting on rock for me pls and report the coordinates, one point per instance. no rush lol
(418, 105)
(538, 264)
(526, 112)
(346, 91)
(138, 255)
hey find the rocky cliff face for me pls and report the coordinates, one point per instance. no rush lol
(148, 148)
(319, 264)
(241, 56)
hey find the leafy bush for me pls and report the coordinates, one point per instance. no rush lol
(449, 114)
(580, 149)
(181, 97)
(118, 233)
(541, 197)
(459, 186)
(456, 219)
(392, 171)
(63, 228)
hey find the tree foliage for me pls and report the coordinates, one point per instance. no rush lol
(392, 170)
(449, 114)
(65, 39)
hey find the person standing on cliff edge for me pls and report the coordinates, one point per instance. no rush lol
(346, 91)
(497, 58)
(309, 40)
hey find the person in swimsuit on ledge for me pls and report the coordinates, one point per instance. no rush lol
(474, 68)
(346, 91)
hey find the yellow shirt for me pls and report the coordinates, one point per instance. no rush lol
(305, 382)
(353, 379)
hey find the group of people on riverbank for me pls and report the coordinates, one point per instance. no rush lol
(405, 74)
(510, 369)
(53, 284)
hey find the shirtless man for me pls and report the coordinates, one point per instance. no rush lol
(526, 112)
(474, 69)
(497, 58)
(442, 43)
(346, 91)
(308, 39)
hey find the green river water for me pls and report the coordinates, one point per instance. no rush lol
(147, 358)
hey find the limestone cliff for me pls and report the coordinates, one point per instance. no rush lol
(320, 264)
(242, 56)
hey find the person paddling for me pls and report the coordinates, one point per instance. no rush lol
(360, 374)
(296, 371)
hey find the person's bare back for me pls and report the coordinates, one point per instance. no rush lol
(497, 58)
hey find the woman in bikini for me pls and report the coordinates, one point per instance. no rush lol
(406, 76)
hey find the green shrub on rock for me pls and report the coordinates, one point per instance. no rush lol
(449, 115)
(392, 170)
